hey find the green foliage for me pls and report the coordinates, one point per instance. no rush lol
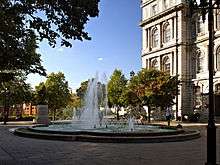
(81, 91)
(67, 113)
(116, 86)
(101, 94)
(19, 52)
(16, 91)
(151, 88)
(24, 23)
(58, 93)
(74, 101)
(49, 19)
(41, 94)
(6, 77)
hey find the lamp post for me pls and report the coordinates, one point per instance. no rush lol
(6, 93)
(207, 6)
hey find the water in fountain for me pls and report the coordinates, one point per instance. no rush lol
(90, 112)
(131, 124)
(91, 116)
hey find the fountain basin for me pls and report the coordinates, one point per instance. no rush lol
(141, 134)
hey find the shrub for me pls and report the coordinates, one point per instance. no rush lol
(192, 117)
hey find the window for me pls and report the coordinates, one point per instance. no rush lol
(218, 59)
(155, 64)
(200, 62)
(197, 101)
(165, 4)
(217, 89)
(200, 25)
(155, 38)
(166, 33)
(154, 9)
(166, 64)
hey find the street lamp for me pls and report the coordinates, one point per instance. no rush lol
(207, 6)
(6, 93)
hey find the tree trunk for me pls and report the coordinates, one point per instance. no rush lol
(54, 114)
(117, 112)
(6, 113)
(149, 110)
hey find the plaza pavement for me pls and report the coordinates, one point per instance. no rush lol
(16, 150)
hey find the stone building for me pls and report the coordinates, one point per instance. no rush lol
(175, 42)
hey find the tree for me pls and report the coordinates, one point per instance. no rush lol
(40, 96)
(151, 88)
(25, 23)
(72, 107)
(58, 93)
(15, 92)
(116, 86)
(19, 54)
(81, 91)
(74, 101)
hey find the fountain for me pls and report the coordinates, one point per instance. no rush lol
(92, 126)
(90, 112)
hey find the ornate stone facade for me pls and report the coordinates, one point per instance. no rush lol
(173, 41)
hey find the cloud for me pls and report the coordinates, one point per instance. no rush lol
(60, 49)
(100, 58)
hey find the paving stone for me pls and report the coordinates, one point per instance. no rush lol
(16, 150)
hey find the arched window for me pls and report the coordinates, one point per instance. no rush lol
(166, 64)
(200, 26)
(166, 33)
(218, 59)
(155, 37)
(197, 92)
(155, 64)
(201, 63)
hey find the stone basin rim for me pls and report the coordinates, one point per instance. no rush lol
(187, 135)
(109, 137)
(100, 133)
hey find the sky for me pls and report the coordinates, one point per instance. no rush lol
(115, 44)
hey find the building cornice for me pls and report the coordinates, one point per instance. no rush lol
(204, 39)
(147, 3)
(162, 14)
(164, 48)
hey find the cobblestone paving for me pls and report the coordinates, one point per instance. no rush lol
(16, 150)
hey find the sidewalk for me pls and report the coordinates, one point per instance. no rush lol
(15, 150)
(17, 123)
(187, 124)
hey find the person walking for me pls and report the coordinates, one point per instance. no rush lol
(168, 115)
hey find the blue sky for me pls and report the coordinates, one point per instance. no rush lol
(116, 43)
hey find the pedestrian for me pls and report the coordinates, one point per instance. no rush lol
(168, 115)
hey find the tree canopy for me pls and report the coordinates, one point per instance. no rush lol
(24, 23)
(116, 86)
(57, 91)
(152, 88)
(18, 91)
